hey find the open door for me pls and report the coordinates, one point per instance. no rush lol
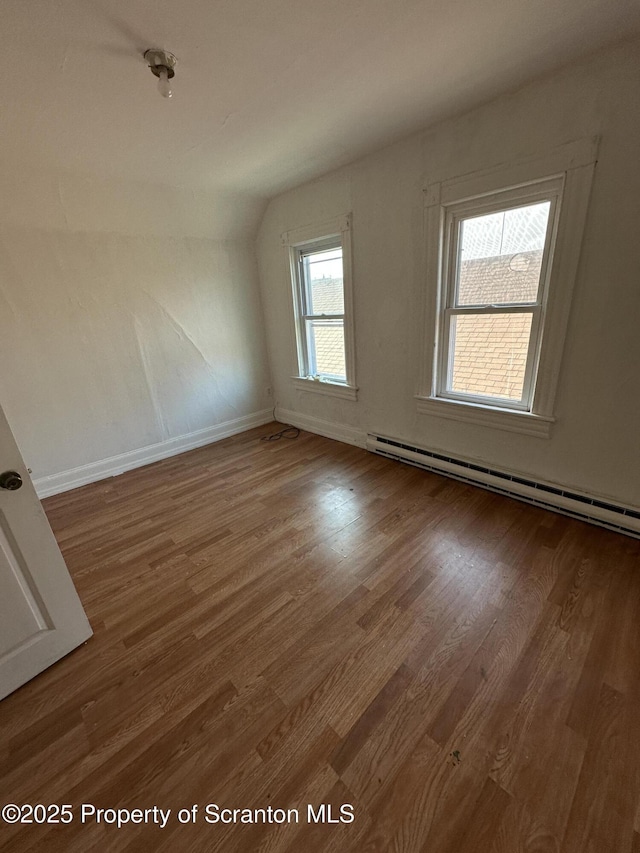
(41, 617)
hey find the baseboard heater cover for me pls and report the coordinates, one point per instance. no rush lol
(621, 519)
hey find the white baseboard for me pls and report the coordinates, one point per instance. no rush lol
(114, 465)
(329, 429)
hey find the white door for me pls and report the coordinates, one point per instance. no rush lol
(41, 617)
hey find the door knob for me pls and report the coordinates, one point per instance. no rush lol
(10, 480)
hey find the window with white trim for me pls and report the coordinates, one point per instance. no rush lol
(494, 296)
(503, 249)
(321, 279)
(321, 294)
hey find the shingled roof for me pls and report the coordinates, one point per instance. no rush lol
(328, 298)
(491, 349)
(327, 295)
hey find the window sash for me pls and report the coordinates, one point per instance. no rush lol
(304, 280)
(446, 373)
(322, 317)
(310, 350)
(450, 278)
(306, 316)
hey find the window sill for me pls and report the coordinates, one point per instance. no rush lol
(506, 419)
(331, 389)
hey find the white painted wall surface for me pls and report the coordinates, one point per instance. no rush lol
(595, 443)
(129, 315)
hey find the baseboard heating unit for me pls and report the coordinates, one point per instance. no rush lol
(622, 519)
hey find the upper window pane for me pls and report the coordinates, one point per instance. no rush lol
(323, 275)
(500, 256)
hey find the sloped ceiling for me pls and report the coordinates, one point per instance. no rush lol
(268, 93)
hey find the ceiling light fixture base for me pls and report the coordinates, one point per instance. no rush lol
(160, 60)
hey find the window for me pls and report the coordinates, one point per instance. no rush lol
(321, 279)
(494, 300)
(321, 294)
(502, 260)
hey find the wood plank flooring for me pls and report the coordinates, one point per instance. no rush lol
(301, 622)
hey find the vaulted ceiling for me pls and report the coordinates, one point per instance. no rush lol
(268, 93)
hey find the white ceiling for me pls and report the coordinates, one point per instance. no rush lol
(268, 93)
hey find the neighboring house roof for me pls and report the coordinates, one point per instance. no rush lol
(328, 298)
(491, 349)
(491, 354)
(500, 279)
(329, 340)
(327, 295)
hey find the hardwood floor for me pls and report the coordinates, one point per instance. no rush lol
(302, 622)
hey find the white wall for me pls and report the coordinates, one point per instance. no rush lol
(129, 315)
(595, 442)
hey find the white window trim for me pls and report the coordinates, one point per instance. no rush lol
(292, 241)
(548, 190)
(326, 387)
(572, 165)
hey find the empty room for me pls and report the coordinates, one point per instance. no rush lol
(320, 426)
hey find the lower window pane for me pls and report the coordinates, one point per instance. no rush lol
(490, 354)
(326, 345)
